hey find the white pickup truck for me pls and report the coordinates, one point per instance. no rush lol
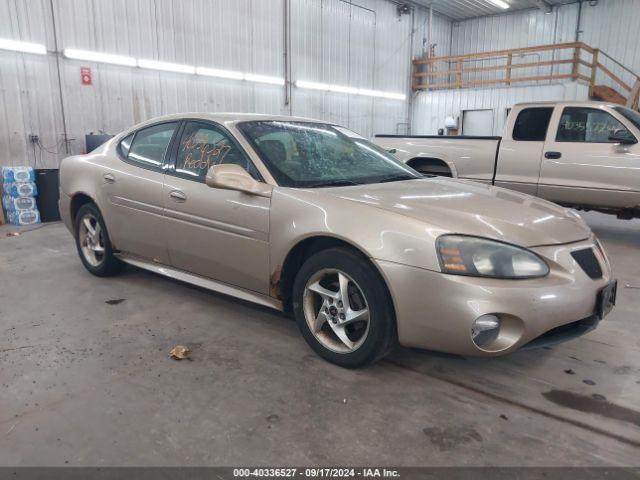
(583, 155)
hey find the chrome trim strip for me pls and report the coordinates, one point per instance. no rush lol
(203, 282)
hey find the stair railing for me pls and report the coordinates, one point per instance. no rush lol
(562, 61)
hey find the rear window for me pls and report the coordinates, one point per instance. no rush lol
(531, 124)
(149, 145)
(125, 144)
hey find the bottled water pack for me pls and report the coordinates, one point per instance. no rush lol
(20, 189)
(18, 195)
(23, 217)
(18, 203)
(17, 174)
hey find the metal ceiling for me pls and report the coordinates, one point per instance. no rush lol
(458, 10)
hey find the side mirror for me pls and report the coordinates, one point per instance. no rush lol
(233, 177)
(623, 137)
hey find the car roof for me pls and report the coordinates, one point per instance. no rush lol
(225, 118)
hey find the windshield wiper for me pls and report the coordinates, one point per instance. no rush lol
(398, 178)
(332, 183)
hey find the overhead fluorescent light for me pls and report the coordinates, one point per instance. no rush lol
(252, 77)
(312, 85)
(343, 89)
(370, 93)
(99, 57)
(24, 47)
(213, 72)
(166, 66)
(500, 3)
(325, 87)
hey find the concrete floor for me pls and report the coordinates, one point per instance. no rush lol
(87, 381)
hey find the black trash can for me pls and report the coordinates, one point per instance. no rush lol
(47, 181)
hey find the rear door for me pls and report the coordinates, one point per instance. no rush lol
(215, 233)
(518, 166)
(134, 191)
(582, 166)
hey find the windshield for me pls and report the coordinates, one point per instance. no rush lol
(306, 154)
(633, 117)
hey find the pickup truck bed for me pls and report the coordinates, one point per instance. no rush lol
(579, 154)
(471, 157)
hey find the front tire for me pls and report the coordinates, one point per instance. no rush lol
(343, 308)
(93, 243)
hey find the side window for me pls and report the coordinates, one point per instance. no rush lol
(203, 145)
(531, 124)
(579, 124)
(125, 145)
(149, 145)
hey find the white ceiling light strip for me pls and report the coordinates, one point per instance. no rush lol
(325, 87)
(75, 54)
(500, 3)
(214, 72)
(252, 77)
(166, 66)
(148, 64)
(24, 47)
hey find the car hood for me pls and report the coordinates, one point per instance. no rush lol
(472, 208)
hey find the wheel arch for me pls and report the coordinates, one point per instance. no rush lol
(78, 200)
(436, 165)
(283, 278)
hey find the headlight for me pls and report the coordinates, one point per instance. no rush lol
(480, 257)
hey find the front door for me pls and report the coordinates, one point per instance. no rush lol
(580, 165)
(216, 233)
(134, 192)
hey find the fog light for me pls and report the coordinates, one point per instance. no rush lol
(485, 330)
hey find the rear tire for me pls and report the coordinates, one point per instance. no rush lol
(93, 243)
(343, 308)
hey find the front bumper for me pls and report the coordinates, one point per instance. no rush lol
(435, 311)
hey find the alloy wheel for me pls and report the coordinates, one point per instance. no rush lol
(91, 239)
(336, 311)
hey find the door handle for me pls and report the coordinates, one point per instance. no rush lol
(178, 195)
(109, 178)
(552, 155)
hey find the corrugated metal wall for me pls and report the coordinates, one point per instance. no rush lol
(431, 109)
(610, 25)
(357, 43)
(363, 44)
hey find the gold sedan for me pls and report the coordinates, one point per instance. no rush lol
(309, 217)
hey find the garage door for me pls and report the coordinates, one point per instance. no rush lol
(477, 122)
